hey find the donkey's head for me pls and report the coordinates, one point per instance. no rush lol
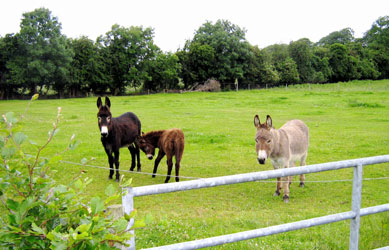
(104, 116)
(263, 139)
(146, 146)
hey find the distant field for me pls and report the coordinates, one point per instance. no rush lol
(346, 121)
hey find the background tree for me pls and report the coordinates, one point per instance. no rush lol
(288, 72)
(344, 66)
(231, 49)
(377, 40)
(343, 36)
(46, 55)
(164, 72)
(301, 53)
(197, 61)
(128, 50)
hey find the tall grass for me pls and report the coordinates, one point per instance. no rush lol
(346, 120)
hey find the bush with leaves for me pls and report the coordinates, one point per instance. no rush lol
(37, 213)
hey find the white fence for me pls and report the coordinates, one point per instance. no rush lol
(353, 215)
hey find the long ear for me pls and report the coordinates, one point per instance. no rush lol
(107, 102)
(256, 121)
(269, 122)
(99, 103)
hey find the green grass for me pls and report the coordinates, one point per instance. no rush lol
(346, 121)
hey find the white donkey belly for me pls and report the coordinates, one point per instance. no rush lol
(297, 157)
(278, 162)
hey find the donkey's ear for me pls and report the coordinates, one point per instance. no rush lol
(107, 102)
(99, 103)
(256, 121)
(269, 122)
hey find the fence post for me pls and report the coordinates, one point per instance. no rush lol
(356, 207)
(128, 207)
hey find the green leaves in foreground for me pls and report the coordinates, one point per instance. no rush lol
(37, 213)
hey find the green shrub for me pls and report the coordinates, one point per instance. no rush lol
(37, 213)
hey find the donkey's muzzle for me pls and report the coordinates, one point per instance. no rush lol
(104, 131)
(261, 160)
(150, 157)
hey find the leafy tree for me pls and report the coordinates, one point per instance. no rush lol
(344, 66)
(197, 61)
(301, 53)
(321, 65)
(9, 49)
(277, 53)
(230, 48)
(268, 74)
(164, 72)
(343, 36)
(88, 69)
(127, 51)
(377, 40)
(46, 55)
(288, 72)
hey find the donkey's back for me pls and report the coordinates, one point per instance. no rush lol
(298, 135)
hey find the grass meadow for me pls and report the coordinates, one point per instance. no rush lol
(346, 121)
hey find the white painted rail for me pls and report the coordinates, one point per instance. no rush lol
(354, 214)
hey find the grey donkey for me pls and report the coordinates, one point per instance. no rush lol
(283, 146)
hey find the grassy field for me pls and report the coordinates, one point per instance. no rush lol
(346, 121)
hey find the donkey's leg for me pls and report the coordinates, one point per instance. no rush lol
(285, 185)
(161, 154)
(133, 153)
(110, 161)
(137, 153)
(291, 165)
(179, 153)
(177, 171)
(169, 167)
(302, 176)
(117, 164)
(277, 193)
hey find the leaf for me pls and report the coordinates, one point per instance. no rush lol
(110, 190)
(37, 229)
(19, 138)
(83, 228)
(7, 153)
(34, 97)
(11, 119)
(97, 206)
(138, 224)
(2, 142)
(13, 205)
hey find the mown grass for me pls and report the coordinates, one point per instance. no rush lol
(346, 121)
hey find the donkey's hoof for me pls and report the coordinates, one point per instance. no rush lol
(138, 170)
(110, 177)
(302, 184)
(286, 198)
(276, 193)
(132, 169)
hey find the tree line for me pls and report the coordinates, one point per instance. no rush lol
(39, 58)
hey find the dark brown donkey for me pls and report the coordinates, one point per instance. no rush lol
(169, 142)
(118, 132)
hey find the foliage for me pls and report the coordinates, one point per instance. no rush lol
(44, 56)
(128, 50)
(343, 36)
(377, 39)
(38, 213)
(40, 58)
(164, 72)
